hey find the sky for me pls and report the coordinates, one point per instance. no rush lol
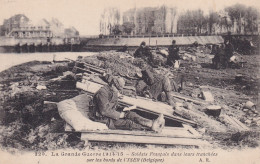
(84, 15)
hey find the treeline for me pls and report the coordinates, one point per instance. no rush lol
(238, 19)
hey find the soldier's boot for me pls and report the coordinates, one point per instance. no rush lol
(138, 119)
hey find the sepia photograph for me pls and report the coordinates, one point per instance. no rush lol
(129, 81)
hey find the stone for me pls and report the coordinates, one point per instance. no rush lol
(256, 119)
(207, 96)
(248, 121)
(250, 105)
(189, 84)
(41, 87)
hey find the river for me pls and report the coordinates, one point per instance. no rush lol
(8, 60)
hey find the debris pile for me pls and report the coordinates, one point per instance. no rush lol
(29, 122)
(120, 64)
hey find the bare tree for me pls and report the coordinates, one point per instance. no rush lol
(251, 16)
(192, 22)
(213, 19)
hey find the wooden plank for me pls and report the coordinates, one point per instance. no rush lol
(94, 79)
(83, 69)
(191, 130)
(240, 124)
(93, 87)
(171, 132)
(201, 118)
(93, 67)
(144, 140)
(234, 123)
(199, 102)
(98, 80)
(141, 104)
(166, 115)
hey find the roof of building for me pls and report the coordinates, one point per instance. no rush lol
(17, 18)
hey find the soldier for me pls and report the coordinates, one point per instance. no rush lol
(142, 51)
(173, 54)
(219, 57)
(229, 50)
(157, 87)
(105, 109)
(247, 47)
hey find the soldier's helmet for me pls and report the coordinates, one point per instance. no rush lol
(195, 44)
(143, 43)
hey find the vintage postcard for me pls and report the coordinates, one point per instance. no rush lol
(129, 81)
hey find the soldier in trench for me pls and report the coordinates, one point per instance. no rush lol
(157, 87)
(105, 109)
(173, 54)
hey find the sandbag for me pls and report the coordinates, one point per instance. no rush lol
(75, 112)
(163, 52)
(235, 59)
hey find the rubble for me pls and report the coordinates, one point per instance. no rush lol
(41, 87)
(28, 116)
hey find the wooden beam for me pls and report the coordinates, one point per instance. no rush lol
(172, 132)
(241, 124)
(199, 102)
(93, 66)
(101, 71)
(166, 114)
(144, 140)
(83, 69)
(234, 123)
(96, 68)
(142, 104)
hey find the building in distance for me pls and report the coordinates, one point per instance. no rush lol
(21, 27)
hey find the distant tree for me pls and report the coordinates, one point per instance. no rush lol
(117, 30)
(199, 20)
(236, 12)
(225, 23)
(2, 30)
(109, 19)
(116, 15)
(212, 19)
(251, 16)
(248, 14)
(192, 22)
(128, 27)
(184, 23)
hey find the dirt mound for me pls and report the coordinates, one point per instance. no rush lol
(121, 64)
(26, 123)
